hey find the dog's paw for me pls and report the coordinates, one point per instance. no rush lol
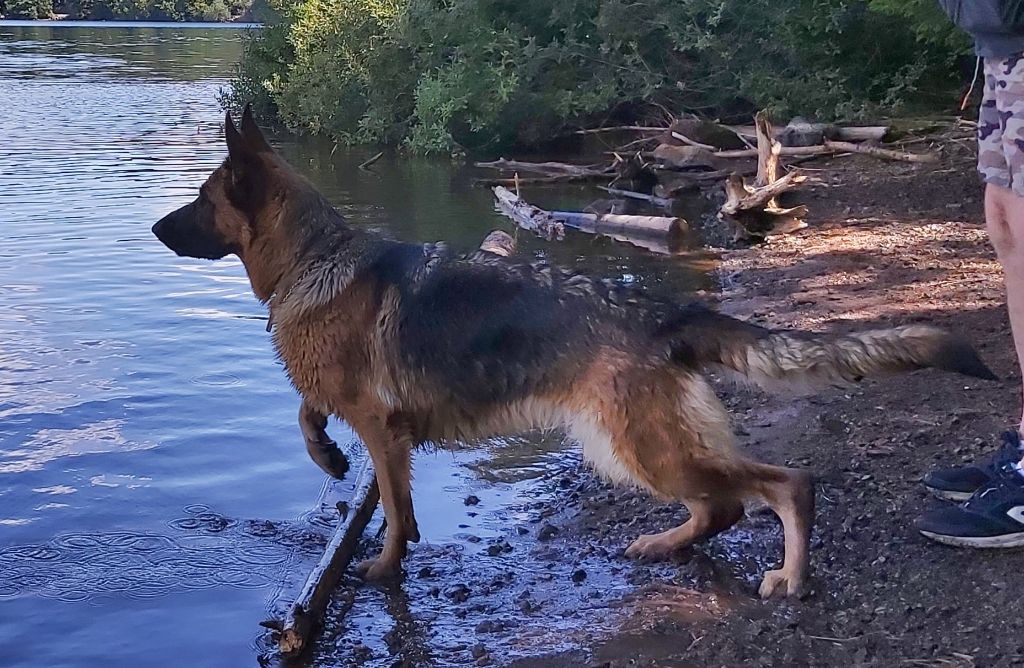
(652, 547)
(780, 583)
(378, 570)
(328, 456)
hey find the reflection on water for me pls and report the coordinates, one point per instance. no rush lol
(135, 384)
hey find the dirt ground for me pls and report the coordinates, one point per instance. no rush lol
(887, 244)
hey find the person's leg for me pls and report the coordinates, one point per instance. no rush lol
(993, 513)
(1004, 219)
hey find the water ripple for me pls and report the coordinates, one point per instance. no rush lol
(208, 550)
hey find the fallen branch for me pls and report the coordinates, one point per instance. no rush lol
(306, 613)
(616, 223)
(527, 216)
(659, 201)
(832, 147)
(366, 164)
(541, 180)
(696, 144)
(645, 231)
(877, 152)
(860, 133)
(548, 168)
(620, 128)
(753, 210)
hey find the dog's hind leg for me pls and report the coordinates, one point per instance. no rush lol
(390, 448)
(321, 448)
(790, 493)
(707, 518)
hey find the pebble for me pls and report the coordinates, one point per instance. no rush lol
(547, 532)
(459, 593)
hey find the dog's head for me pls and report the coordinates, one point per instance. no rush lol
(222, 220)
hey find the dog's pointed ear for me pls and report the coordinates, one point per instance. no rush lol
(252, 133)
(236, 143)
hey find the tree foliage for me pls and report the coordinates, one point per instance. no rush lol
(478, 74)
(26, 9)
(157, 10)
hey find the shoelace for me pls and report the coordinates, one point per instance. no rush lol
(1006, 483)
(1010, 452)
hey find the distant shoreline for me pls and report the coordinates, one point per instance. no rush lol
(63, 19)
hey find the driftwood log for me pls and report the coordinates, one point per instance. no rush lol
(831, 147)
(549, 168)
(527, 216)
(841, 133)
(653, 199)
(306, 613)
(753, 209)
(366, 164)
(657, 233)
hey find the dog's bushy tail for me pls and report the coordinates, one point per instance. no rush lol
(773, 359)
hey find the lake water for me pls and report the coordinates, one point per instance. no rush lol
(156, 501)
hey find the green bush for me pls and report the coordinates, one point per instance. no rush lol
(481, 74)
(157, 10)
(27, 9)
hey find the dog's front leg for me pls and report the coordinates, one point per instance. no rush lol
(390, 449)
(321, 448)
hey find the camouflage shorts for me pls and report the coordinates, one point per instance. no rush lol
(1001, 124)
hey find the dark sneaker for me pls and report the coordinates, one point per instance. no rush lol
(992, 517)
(960, 482)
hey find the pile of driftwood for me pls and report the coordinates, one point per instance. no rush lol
(686, 156)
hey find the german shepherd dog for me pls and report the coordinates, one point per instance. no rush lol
(409, 344)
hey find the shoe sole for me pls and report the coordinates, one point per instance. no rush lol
(949, 495)
(983, 542)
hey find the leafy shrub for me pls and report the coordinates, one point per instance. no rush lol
(157, 10)
(27, 9)
(480, 74)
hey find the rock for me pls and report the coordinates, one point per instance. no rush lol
(547, 531)
(478, 650)
(459, 593)
(471, 500)
(579, 575)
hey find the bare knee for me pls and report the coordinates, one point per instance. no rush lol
(1004, 220)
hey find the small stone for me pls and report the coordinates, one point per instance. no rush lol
(478, 650)
(547, 532)
(579, 575)
(459, 593)
(471, 500)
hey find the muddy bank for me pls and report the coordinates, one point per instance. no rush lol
(887, 244)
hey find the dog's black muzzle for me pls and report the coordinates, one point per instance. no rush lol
(186, 233)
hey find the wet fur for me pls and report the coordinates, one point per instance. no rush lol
(412, 344)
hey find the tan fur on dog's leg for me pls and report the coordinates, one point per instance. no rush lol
(790, 493)
(391, 460)
(706, 520)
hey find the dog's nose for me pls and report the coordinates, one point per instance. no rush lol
(160, 228)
